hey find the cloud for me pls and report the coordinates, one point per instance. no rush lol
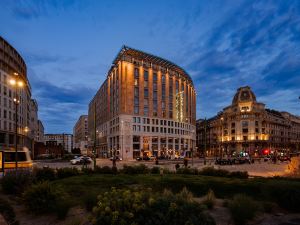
(60, 107)
(256, 44)
(34, 9)
(38, 58)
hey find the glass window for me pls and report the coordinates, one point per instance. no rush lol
(136, 73)
(146, 75)
(146, 92)
(154, 77)
(136, 109)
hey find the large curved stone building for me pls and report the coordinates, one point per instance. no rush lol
(146, 106)
(11, 63)
(246, 126)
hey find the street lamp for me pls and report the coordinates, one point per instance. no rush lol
(17, 83)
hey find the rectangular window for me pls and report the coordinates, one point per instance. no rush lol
(154, 77)
(136, 109)
(146, 93)
(146, 75)
(136, 73)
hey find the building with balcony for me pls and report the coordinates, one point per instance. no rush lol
(146, 106)
(15, 91)
(246, 126)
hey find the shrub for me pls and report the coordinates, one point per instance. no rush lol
(268, 206)
(90, 200)
(87, 170)
(193, 171)
(137, 169)
(155, 170)
(105, 170)
(210, 199)
(210, 171)
(44, 198)
(242, 209)
(43, 174)
(67, 172)
(239, 174)
(14, 182)
(144, 207)
(8, 212)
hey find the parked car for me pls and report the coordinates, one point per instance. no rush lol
(146, 158)
(81, 160)
(152, 157)
(117, 158)
(284, 158)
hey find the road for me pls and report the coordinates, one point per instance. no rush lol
(265, 169)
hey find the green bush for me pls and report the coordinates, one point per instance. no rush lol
(45, 198)
(67, 172)
(210, 171)
(87, 170)
(155, 170)
(137, 169)
(210, 199)
(43, 174)
(105, 170)
(239, 174)
(192, 171)
(14, 182)
(128, 207)
(242, 209)
(90, 200)
(8, 212)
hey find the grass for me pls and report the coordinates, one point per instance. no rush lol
(258, 188)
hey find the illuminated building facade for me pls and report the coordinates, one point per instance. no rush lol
(12, 65)
(247, 126)
(80, 133)
(146, 106)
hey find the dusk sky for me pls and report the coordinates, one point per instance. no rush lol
(69, 46)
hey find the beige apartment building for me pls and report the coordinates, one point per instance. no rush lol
(246, 126)
(146, 106)
(14, 86)
(65, 140)
(80, 134)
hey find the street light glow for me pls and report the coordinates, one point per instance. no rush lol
(20, 83)
(12, 82)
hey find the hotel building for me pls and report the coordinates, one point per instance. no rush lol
(12, 66)
(146, 106)
(246, 126)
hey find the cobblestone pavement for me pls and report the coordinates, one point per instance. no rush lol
(265, 169)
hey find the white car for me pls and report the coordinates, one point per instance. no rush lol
(81, 160)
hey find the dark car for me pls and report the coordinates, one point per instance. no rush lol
(146, 158)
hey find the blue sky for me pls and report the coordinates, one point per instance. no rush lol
(69, 46)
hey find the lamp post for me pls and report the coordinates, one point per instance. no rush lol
(17, 83)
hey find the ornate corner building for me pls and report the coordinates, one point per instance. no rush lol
(30, 129)
(247, 126)
(146, 106)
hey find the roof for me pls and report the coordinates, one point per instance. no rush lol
(151, 58)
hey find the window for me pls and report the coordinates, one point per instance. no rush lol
(163, 78)
(154, 77)
(136, 73)
(146, 74)
(244, 123)
(136, 109)
(146, 93)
